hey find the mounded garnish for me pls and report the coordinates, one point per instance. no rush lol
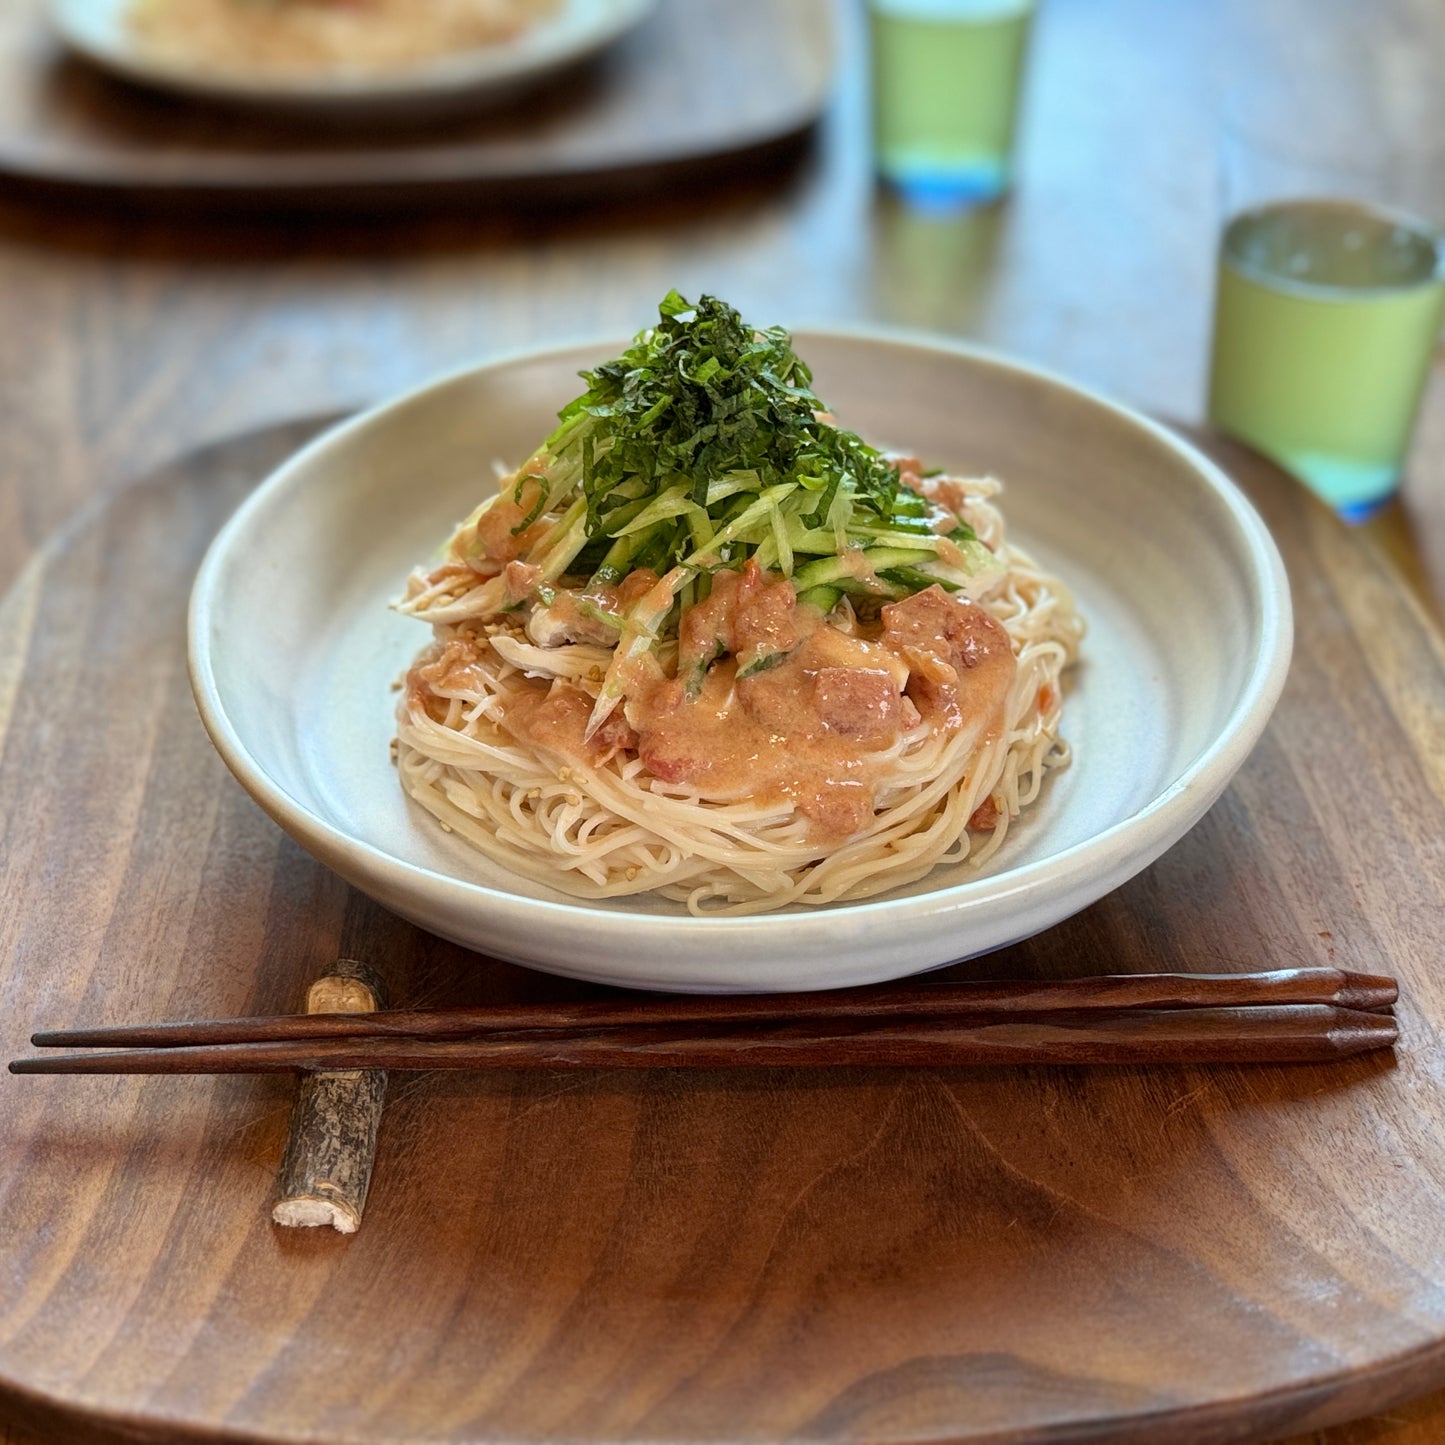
(703, 447)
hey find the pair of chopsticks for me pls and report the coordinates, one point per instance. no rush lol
(1288, 1015)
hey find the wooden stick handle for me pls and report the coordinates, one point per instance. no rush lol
(917, 1000)
(1291, 1033)
(326, 1170)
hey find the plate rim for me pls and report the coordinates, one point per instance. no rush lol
(1151, 828)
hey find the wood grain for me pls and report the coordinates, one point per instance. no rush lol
(701, 85)
(127, 340)
(831, 1255)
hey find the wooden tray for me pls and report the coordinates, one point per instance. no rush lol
(1031, 1255)
(701, 87)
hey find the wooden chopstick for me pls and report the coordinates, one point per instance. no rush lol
(917, 1000)
(1267, 1034)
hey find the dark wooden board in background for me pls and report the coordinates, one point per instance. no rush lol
(700, 88)
(1027, 1255)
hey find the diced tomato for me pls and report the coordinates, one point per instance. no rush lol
(765, 617)
(954, 649)
(615, 736)
(667, 757)
(744, 611)
(856, 702)
(635, 586)
(961, 632)
(985, 816)
(521, 577)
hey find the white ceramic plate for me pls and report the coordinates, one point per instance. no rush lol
(293, 650)
(100, 31)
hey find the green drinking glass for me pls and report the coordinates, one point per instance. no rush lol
(1328, 302)
(946, 81)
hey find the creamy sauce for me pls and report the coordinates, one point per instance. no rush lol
(820, 728)
(806, 729)
(555, 717)
(495, 527)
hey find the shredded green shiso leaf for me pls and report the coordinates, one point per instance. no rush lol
(701, 447)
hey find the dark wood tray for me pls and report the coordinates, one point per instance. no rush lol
(1035, 1255)
(700, 88)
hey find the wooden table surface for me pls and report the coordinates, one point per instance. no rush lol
(125, 341)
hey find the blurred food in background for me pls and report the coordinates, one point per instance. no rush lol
(315, 36)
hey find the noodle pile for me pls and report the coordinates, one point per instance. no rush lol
(603, 824)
